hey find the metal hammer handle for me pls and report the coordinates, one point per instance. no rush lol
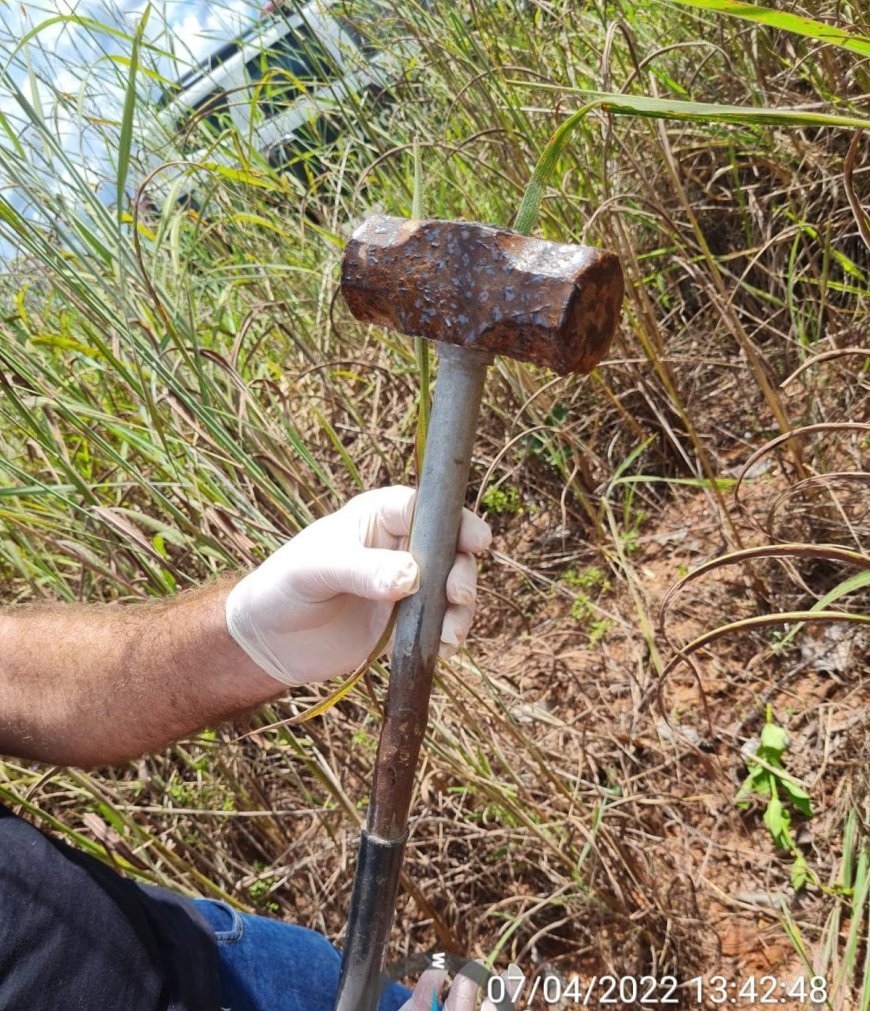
(437, 516)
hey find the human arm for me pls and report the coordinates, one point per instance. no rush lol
(91, 684)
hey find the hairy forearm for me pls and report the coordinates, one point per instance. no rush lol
(92, 684)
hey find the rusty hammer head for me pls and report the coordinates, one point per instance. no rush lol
(485, 288)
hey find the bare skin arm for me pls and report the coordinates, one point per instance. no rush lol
(94, 684)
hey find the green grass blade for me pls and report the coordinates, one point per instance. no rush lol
(856, 582)
(660, 108)
(846, 978)
(125, 140)
(706, 112)
(786, 22)
(92, 25)
(421, 345)
(530, 205)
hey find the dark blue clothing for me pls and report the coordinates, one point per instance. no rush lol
(76, 936)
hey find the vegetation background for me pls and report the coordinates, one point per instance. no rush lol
(677, 598)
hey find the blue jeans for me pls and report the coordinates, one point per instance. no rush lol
(267, 965)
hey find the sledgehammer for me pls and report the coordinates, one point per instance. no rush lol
(478, 291)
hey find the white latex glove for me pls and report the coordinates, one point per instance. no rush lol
(463, 992)
(317, 606)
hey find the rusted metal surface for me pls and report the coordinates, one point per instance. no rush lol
(405, 720)
(476, 286)
(437, 518)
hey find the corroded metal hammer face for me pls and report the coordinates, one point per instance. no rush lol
(485, 288)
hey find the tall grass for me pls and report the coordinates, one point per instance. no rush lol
(182, 391)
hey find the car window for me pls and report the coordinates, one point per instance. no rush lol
(289, 67)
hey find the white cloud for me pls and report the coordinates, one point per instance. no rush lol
(189, 32)
(199, 28)
(78, 84)
(66, 80)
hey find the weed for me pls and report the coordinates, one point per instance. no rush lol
(502, 500)
(769, 780)
(591, 579)
(599, 629)
(590, 585)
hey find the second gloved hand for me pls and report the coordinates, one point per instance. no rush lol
(317, 607)
(464, 990)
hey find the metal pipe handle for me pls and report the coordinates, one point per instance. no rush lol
(378, 867)
(437, 516)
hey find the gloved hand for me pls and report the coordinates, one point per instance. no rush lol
(317, 606)
(462, 995)
(463, 991)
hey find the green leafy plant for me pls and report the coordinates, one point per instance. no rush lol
(502, 500)
(590, 584)
(591, 579)
(598, 630)
(769, 780)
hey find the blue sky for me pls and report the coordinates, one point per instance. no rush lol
(195, 24)
(76, 73)
(74, 58)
